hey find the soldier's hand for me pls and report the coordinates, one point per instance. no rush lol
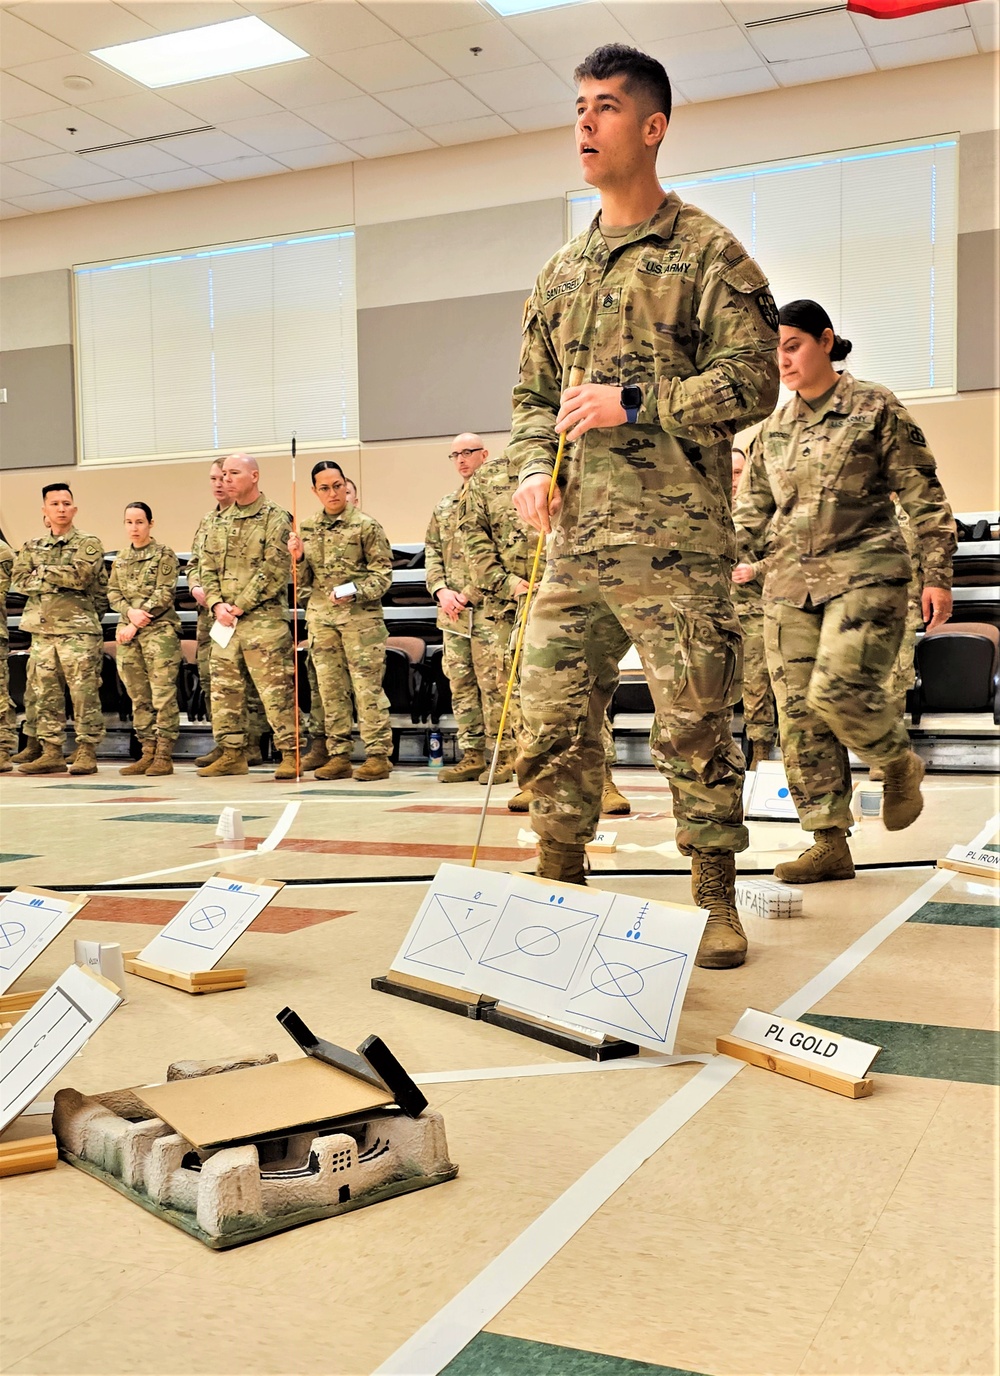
(341, 601)
(520, 587)
(593, 406)
(743, 573)
(224, 614)
(532, 505)
(935, 607)
(124, 633)
(199, 596)
(138, 617)
(295, 547)
(451, 603)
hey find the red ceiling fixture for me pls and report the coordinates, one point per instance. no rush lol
(897, 9)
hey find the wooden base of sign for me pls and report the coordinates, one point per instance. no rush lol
(202, 982)
(848, 1085)
(26, 1154)
(14, 1006)
(443, 996)
(968, 867)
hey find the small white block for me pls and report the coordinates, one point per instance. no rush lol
(761, 898)
(230, 826)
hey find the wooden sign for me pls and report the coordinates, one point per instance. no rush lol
(802, 1052)
(206, 927)
(604, 843)
(985, 864)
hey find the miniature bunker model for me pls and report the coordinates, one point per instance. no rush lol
(260, 1150)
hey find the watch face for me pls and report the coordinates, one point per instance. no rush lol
(631, 398)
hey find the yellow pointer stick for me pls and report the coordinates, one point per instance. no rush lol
(575, 380)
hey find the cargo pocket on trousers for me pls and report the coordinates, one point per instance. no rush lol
(710, 654)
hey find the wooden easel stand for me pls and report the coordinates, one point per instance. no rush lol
(203, 982)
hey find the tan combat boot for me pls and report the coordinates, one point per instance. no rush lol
(470, 766)
(876, 775)
(140, 765)
(216, 753)
(163, 759)
(32, 750)
(760, 753)
(84, 759)
(5, 764)
(286, 769)
(254, 753)
(374, 767)
(317, 756)
(713, 885)
(337, 768)
(902, 801)
(504, 772)
(49, 760)
(829, 857)
(521, 802)
(558, 860)
(613, 801)
(227, 762)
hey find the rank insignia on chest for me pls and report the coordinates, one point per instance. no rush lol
(611, 300)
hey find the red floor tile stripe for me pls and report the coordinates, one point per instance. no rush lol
(157, 912)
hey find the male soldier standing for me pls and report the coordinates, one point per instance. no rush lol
(60, 573)
(674, 329)
(8, 717)
(759, 712)
(469, 655)
(244, 569)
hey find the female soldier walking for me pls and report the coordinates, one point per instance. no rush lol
(817, 500)
(141, 590)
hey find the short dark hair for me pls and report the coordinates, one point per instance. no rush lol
(811, 318)
(642, 73)
(325, 464)
(56, 487)
(141, 506)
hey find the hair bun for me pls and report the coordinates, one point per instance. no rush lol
(841, 348)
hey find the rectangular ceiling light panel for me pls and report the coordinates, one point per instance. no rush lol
(508, 8)
(238, 45)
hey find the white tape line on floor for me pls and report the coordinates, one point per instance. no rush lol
(441, 1339)
(277, 833)
(524, 1072)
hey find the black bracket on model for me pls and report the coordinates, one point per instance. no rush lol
(373, 1062)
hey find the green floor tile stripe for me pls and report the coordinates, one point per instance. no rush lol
(104, 788)
(7, 858)
(493, 1354)
(354, 794)
(922, 1049)
(202, 818)
(959, 914)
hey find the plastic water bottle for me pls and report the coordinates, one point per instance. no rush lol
(435, 750)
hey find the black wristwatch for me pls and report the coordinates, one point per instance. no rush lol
(631, 403)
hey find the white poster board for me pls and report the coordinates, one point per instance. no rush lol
(452, 923)
(209, 923)
(30, 919)
(766, 795)
(48, 1036)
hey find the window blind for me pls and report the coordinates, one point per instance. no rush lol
(869, 233)
(214, 349)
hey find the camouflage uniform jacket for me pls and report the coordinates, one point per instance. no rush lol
(193, 570)
(348, 548)
(445, 555)
(244, 557)
(817, 491)
(63, 577)
(6, 565)
(499, 545)
(678, 310)
(145, 579)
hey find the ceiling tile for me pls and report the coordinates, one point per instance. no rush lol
(330, 27)
(469, 130)
(917, 50)
(647, 22)
(14, 183)
(521, 88)
(984, 14)
(221, 99)
(171, 16)
(878, 32)
(275, 133)
(143, 160)
(753, 11)
(987, 38)
(551, 32)
(142, 115)
(65, 170)
(439, 103)
(84, 24)
(323, 155)
(241, 169)
(54, 126)
(295, 84)
(265, 6)
(729, 84)
(199, 150)
(705, 54)
(830, 68)
(49, 200)
(18, 143)
(387, 67)
(50, 75)
(814, 36)
(21, 42)
(555, 116)
(359, 118)
(413, 18)
(10, 211)
(390, 145)
(451, 49)
(119, 190)
(17, 98)
(178, 181)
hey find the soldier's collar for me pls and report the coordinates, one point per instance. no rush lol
(344, 515)
(839, 401)
(250, 510)
(53, 539)
(660, 225)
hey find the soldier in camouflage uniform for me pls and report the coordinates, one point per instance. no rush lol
(347, 633)
(760, 715)
(59, 574)
(672, 327)
(141, 590)
(469, 649)
(256, 723)
(817, 497)
(8, 717)
(245, 571)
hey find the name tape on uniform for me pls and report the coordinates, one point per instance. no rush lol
(805, 1043)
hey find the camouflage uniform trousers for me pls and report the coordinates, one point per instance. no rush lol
(147, 665)
(471, 666)
(8, 714)
(350, 658)
(759, 711)
(829, 666)
(60, 662)
(676, 609)
(256, 722)
(313, 724)
(261, 649)
(903, 674)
